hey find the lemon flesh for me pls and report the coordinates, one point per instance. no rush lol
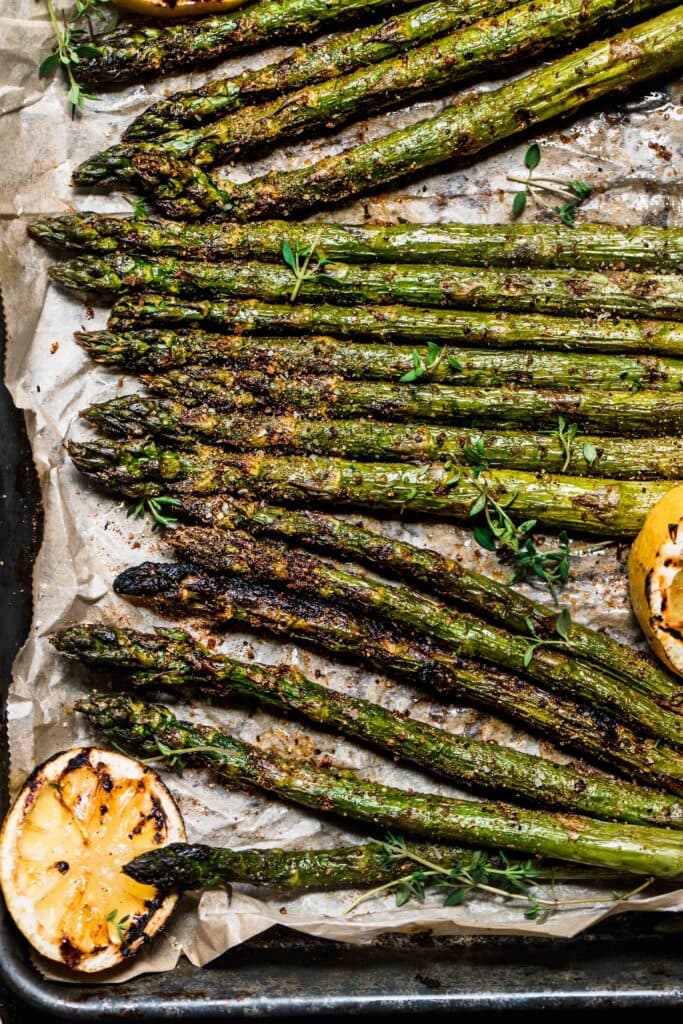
(655, 571)
(79, 818)
(177, 8)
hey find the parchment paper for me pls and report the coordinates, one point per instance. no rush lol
(631, 153)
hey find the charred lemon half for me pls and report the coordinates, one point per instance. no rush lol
(655, 572)
(79, 818)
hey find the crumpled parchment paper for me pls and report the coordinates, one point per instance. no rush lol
(631, 153)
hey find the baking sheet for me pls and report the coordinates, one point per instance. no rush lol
(632, 154)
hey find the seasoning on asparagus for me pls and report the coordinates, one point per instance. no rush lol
(633, 848)
(318, 62)
(367, 440)
(562, 292)
(445, 576)
(552, 246)
(404, 324)
(136, 51)
(150, 351)
(607, 507)
(186, 866)
(478, 121)
(181, 589)
(619, 413)
(239, 554)
(174, 660)
(519, 33)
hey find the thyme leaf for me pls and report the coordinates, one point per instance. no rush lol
(73, 44)
(154, 507)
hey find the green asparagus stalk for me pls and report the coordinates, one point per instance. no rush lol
(549, 246)
(647, 413)
(237, 553)
(405, 324)
(319, 62)
(478, 121)
(607, 507)
(135, 51)
(564, 292)
(155, 351)
(367, 440)
(180, 589)
(172, 659)
(520, 33)
(633, 848)
(444, 576)
(185, 866)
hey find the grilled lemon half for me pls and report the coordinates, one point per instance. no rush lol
(80, 816)
(655, 572)
(177, 8)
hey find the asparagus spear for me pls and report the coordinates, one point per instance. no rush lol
(135, 51)
(172, 659)
(516, 34)
(646, 413)
(174, 588)
(239, 554)
(406, 324)
(309, 64)
(367, 440)
(183, 866)
(444, 576)
(574, 293)
(550, 246)
(608, 507)
(478, 121)
(155, 351)
(633, 848)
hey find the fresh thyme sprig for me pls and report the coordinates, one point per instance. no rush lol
(563, 624)
(514, 880)
(154, 508)
(566, 433)
(573, 193)
(500, 533)
(73, 44)
(121, 925)
(423, 365)
(299, 262)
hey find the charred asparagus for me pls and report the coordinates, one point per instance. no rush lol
(478, 121)
(565, 292)
(172, 589)
(172, 659)
(550, 246)
(620, 413)
(367, 440)
(609, 507)
(445, 576)
(632, 848)
(406, 324)
(239, 554)
(156, 351)
(516, 34)
(309, 64)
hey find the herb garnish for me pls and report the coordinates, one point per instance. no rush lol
(73, 45)
(425, 364)
(154, 507)
(501, 534)
(476, 872)
(573, 193)
(299, 260)
(120, 925)
(566, 433)
(563, 624)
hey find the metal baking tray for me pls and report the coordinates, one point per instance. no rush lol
(631, 960)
